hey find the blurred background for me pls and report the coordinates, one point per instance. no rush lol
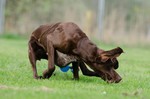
(109, 21)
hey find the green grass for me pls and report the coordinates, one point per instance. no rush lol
(16, 80)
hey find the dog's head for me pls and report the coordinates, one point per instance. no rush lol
(106, 63)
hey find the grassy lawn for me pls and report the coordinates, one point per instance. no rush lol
(16, 80)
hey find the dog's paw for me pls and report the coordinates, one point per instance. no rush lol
(38, 77)
(76, 79)
(46, 74)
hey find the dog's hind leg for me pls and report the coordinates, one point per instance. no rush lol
(51, 66)
(32, 58)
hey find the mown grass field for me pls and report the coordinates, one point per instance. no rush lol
(16, 80)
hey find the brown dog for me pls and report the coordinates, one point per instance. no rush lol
(65, 43)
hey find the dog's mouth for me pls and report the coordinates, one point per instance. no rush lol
(109, 79)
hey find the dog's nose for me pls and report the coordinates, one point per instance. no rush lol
(118, 79)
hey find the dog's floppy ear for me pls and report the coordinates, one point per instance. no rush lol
(111, 54)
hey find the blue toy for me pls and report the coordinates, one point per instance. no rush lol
(66, 68)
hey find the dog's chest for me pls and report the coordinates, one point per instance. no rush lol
(62, 60)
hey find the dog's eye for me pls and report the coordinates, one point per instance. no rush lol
(116, 65)
(113, 60)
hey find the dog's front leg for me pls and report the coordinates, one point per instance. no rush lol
(75, 70)
(86, 71)
(51, 67)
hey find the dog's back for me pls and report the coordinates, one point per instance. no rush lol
(64, 36)
(61, 34)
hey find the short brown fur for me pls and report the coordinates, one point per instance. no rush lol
(65, 43)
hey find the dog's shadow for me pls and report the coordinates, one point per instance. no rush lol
(68, 76)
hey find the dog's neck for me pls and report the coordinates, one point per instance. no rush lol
(87, 50)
